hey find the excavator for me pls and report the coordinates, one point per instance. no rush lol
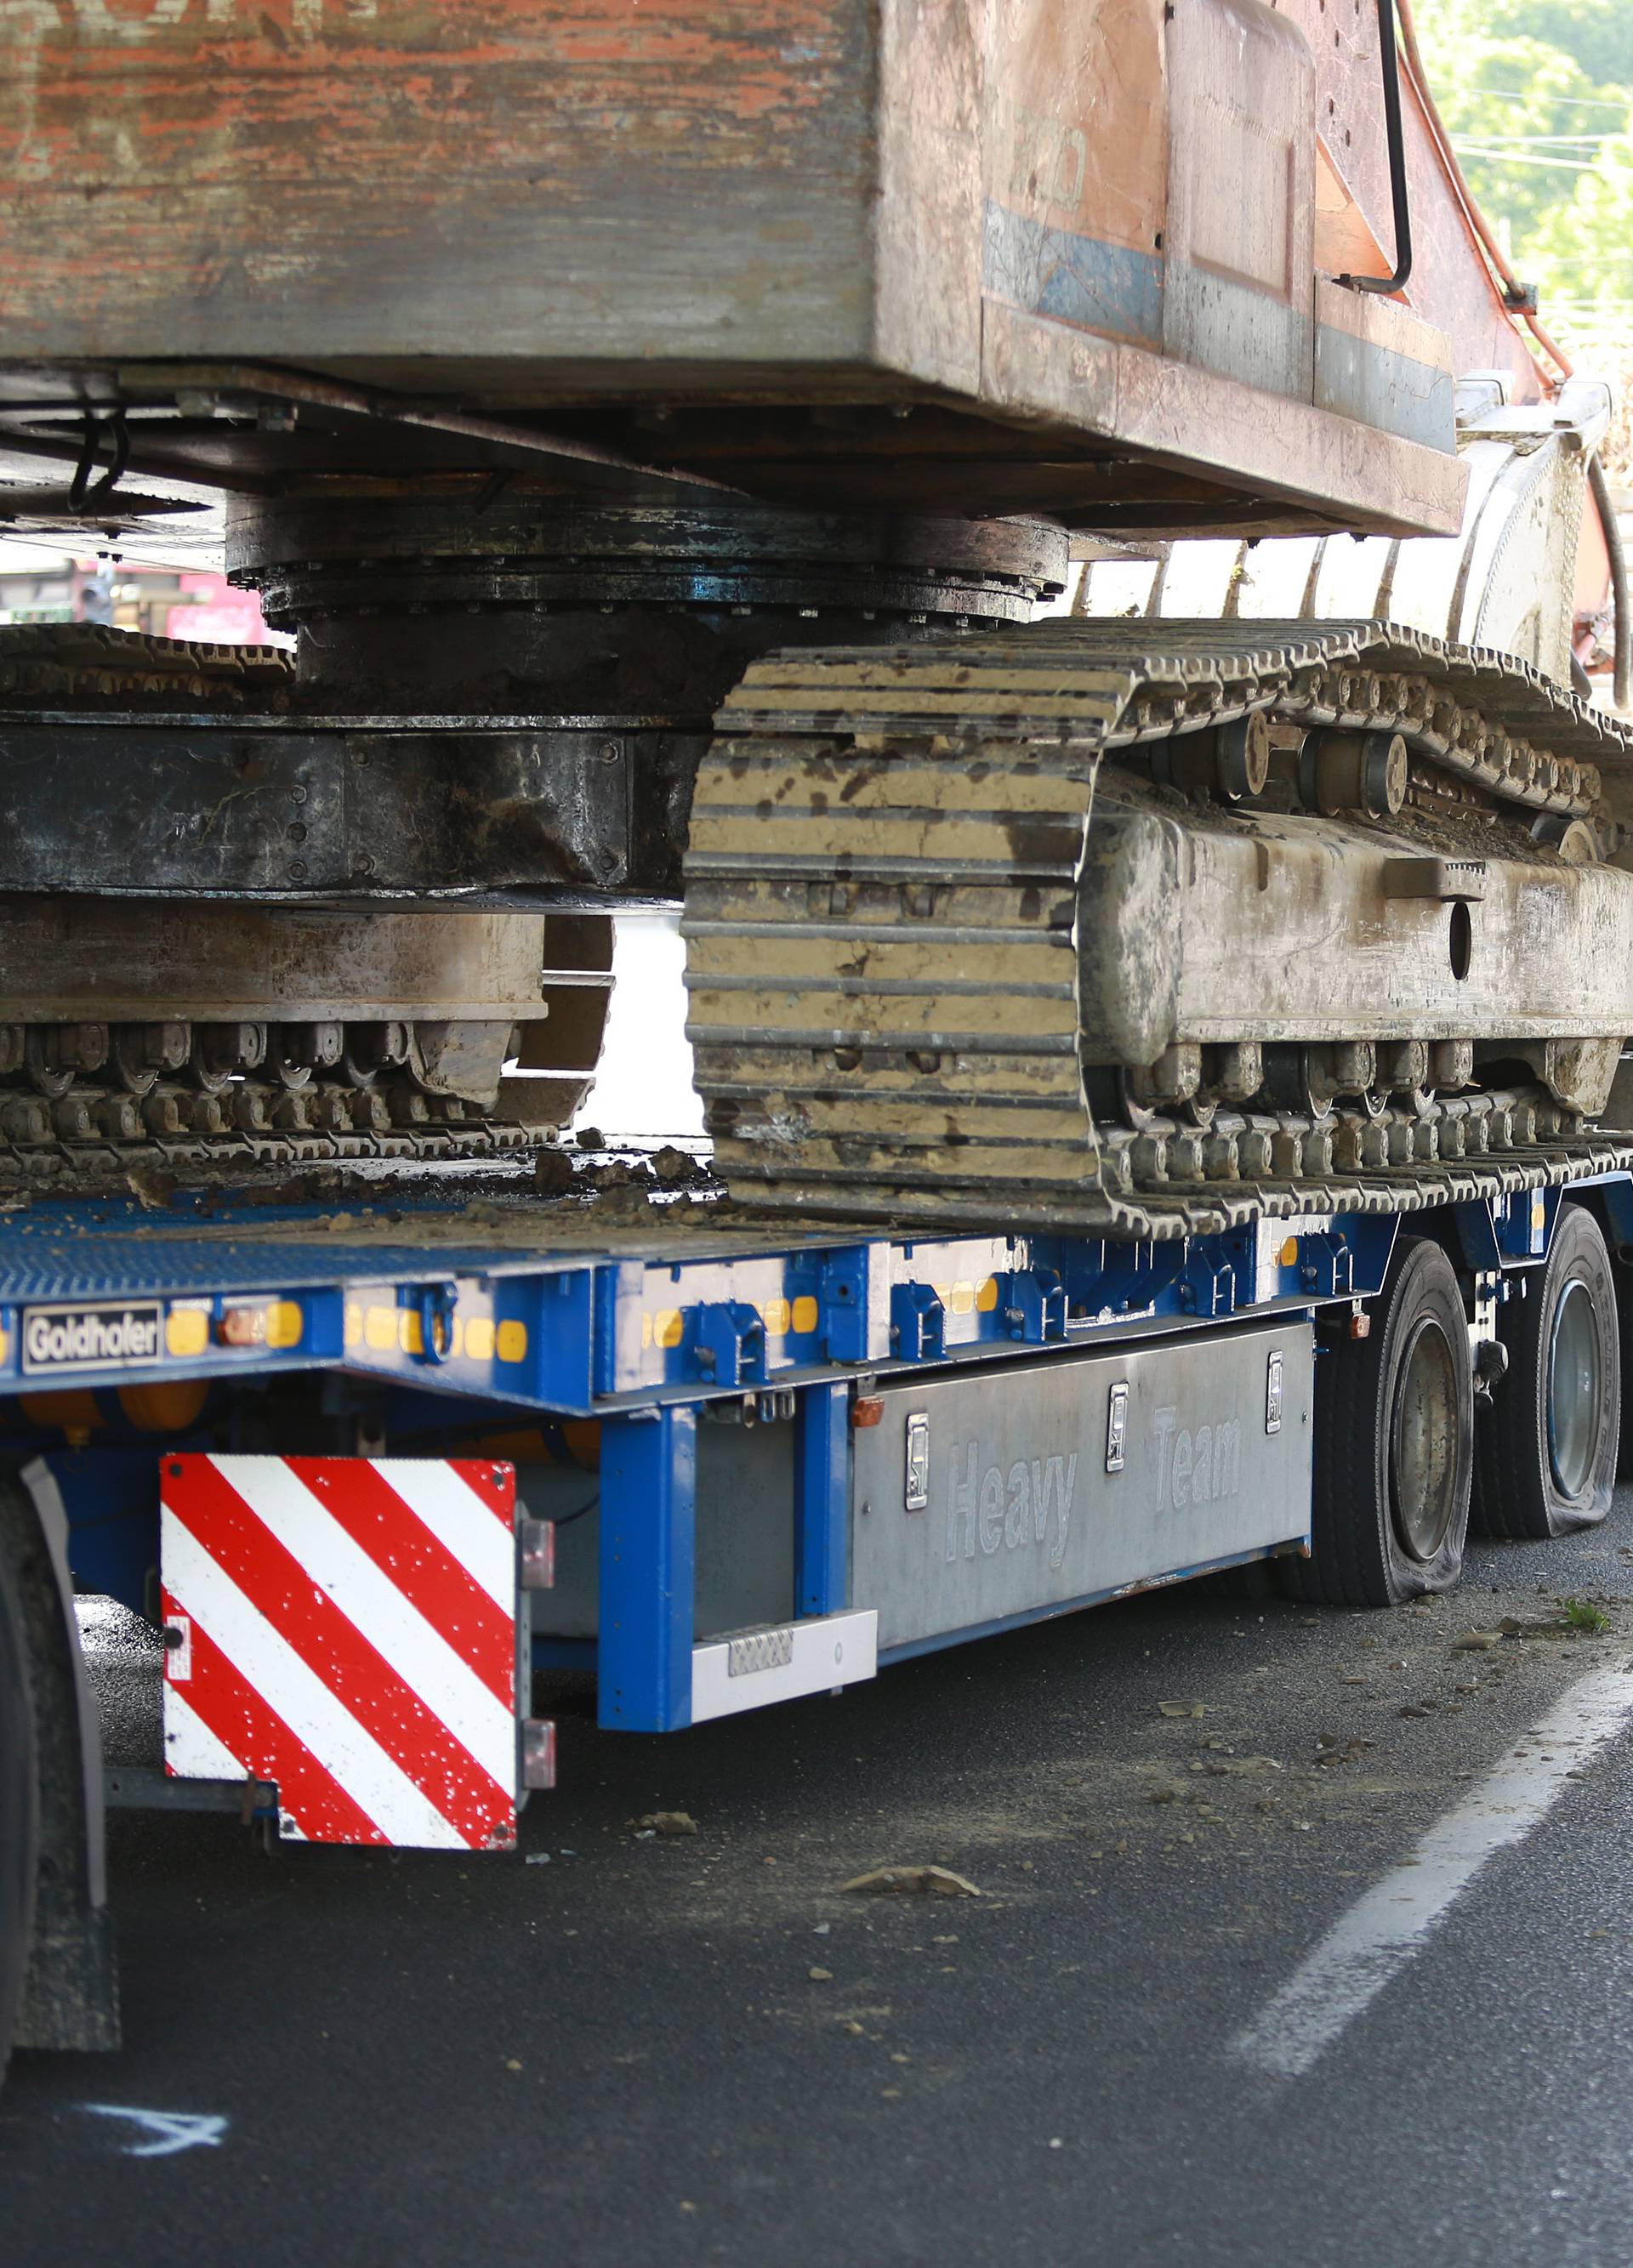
(1048, 528)
(1050, 531)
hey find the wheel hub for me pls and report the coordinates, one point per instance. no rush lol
(1424, 1441)
(1573, 1389)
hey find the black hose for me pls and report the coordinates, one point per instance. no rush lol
(1396, 139)
(1621, 681)
(83, 491)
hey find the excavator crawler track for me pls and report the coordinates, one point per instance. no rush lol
(88, 1093)
(84, 666)
(97, 1161)
(882, 916)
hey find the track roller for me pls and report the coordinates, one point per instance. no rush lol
(143, 1053)
(1231, 760)
(1353, 771)
(1393, 1445)
(1545, 1452)
(53, 1055)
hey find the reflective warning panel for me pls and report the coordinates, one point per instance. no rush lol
(346, 1627)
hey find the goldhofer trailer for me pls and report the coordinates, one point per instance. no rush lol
(368, 1459)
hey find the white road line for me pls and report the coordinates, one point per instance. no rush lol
(1387, 1928)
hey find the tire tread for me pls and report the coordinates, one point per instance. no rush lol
(1353, 1563)
(1510, 1484)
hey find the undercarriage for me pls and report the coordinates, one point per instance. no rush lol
(1083, 911)
(1110, 908)
(361, 895)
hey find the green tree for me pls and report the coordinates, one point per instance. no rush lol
(1584, 251)
(1597, 34)
(1513, 105)
(1538, 95)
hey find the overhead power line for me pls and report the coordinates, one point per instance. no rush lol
(1551, 141)
(1539, 94)
(1497, 156)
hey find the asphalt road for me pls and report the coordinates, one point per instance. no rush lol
(697, 2049)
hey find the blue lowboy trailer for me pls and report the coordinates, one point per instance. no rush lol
(369, 1459)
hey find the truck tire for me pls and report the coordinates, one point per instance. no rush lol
(1624, 1305)
(19, 1805)
(1545, 1453)
(1394, 1451)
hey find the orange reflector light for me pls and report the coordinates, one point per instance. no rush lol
(262, 1323)
(867, 1409)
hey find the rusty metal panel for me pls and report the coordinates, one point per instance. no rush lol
(124, 959)
(1450, 287)
(358, 181)
(1378, 363)
(1275, 447)
(927, 235)
(544, 203)
(1241, 208)
(1076, 164)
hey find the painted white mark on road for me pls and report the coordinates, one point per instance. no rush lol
(1387, 1928)
(168, 2131)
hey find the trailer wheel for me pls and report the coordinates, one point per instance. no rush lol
(1393, 1446)
(19, 1815)
(1624, 1307)
(1545, 1453)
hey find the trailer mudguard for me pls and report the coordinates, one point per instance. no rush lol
(70, 1990)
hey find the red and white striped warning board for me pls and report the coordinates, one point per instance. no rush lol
(346, 1627)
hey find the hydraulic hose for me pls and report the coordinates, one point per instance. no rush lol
(1512, 291)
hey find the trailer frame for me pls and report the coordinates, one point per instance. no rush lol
(417, 1314)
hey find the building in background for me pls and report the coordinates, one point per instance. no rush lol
(38, 584)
